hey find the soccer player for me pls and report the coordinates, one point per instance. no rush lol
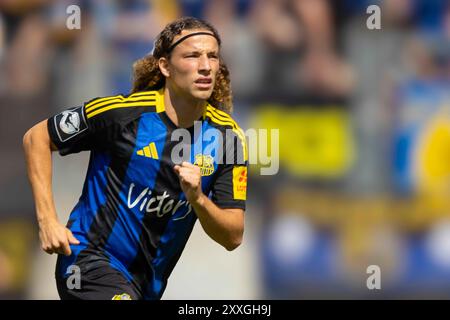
(139, 203)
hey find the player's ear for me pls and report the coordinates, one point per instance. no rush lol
(163, 64)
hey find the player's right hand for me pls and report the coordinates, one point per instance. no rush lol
(56, 238)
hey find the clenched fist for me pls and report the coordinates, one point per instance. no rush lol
(190, 180)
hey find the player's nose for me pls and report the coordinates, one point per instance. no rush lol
(204, 64)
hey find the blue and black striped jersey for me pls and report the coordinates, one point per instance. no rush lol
(132, 213)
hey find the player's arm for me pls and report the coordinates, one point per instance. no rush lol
(225, 226)
(55, 238)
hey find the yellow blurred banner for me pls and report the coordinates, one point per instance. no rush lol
(314, 143)
(432, 155)
(16, 244)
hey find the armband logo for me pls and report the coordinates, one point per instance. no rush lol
(70, 123)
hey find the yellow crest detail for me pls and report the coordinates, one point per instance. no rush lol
(123, 296)
(206, 164)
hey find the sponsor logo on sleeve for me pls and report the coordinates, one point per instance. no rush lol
(240, 183)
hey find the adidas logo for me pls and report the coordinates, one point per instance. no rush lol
(149, 151)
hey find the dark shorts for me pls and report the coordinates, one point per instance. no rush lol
(96, 282)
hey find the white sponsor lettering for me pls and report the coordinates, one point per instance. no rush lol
(156, 204)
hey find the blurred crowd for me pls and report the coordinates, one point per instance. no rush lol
(364, 120)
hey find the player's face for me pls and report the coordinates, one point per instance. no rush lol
(193, 65)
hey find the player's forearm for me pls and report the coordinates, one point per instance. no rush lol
(225, 226)
(37, 148)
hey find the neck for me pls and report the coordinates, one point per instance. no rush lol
(181, 110)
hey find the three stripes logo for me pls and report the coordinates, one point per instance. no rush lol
(149, 151)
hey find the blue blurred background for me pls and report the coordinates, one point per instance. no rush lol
(364, 120)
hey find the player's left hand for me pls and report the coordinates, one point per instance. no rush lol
(190, 180)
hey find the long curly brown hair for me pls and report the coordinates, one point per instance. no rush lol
(147, 75)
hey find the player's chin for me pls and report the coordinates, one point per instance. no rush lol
(203, 94)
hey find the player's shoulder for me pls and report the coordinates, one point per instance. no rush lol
(220, 119)
(121, 107)
(223, 121)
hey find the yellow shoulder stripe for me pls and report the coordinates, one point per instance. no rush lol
(120, 105)
(143, 93)
(221, 114)
(95, 101)
(225, 117)
(220, 120)
(139, 99)
(129, 99)
(218, 111)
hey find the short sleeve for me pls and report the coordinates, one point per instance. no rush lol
(230, 187)
(97, 123)
(69, 131)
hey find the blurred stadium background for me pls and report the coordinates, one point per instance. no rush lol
(364, 120)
